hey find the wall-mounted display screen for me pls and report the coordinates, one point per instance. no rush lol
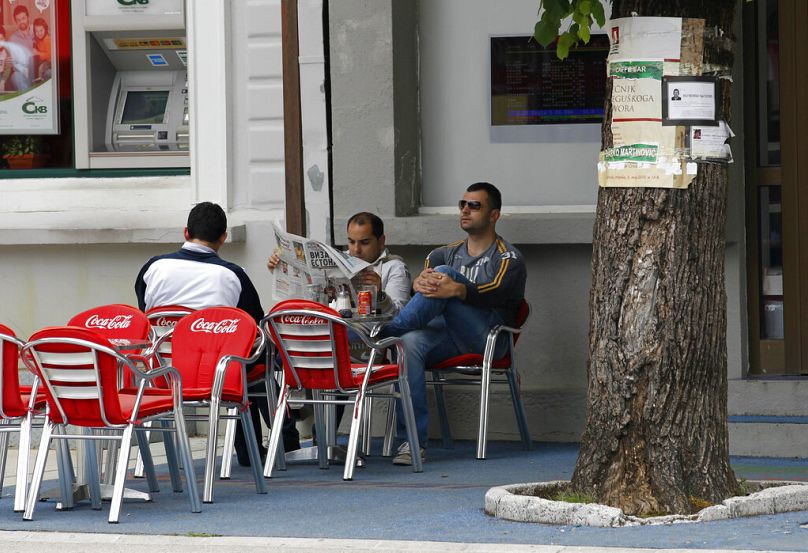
(531, 86)
(144, 107)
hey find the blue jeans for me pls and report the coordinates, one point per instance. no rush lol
(433, 330)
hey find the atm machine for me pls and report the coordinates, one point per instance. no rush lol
(130, 84)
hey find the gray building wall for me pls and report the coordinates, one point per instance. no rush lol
(547, 175)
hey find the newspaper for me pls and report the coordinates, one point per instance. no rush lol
(305, 262)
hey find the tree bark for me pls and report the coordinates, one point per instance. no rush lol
(656, 434)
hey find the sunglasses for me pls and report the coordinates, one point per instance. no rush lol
(473, 205)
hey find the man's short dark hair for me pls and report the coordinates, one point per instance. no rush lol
(207, 222)
(18, 10)
(363, 218)
(494, 196)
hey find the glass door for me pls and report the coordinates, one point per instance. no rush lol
(777, 186)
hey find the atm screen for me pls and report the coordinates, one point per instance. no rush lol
(144, 107)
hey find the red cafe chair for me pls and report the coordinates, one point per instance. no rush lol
(115, 321)
(211, 350)
(78, 369)
(312, 340)
(481, 368)
(162, 319)
(120, 322)
(18, 406)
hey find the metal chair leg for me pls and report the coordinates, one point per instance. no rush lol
(322, 431)
(252, 450)
(120, 474)
(412, 429)
(519, 408)
(67, 475)
(187, 459)
(272, 402)
(228, 447)
(275, 434)
(482, 432)
(443, 415)
(357, 420)
(171, 456)
(139, 462)
(4, 454)
(39, 471)
(390, 429)
(23, 454)
(148, 462)
(210, 459)
(91, 470)
(367, 433)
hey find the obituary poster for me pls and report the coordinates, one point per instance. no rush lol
(28, 62)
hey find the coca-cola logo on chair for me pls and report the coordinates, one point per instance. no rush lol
(225, 326)
(112, 323)
(302, 320)
(163, 321)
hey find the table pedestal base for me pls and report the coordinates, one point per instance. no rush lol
(81, 492)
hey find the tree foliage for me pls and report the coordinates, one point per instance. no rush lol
(582, 14)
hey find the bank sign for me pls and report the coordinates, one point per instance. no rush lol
(29, 102)
(133, 7)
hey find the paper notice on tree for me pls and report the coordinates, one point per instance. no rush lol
(645, 38)
(304, 261)
(709, 143)
(663, 173)
(637, 110)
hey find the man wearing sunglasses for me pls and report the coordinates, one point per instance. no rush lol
(465, 289)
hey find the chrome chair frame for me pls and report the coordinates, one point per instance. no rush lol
(157, 355)
(215, 403)
(23, 426)
(484, 373)
(34, 361)
(321, 397)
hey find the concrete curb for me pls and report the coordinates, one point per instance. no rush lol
(519, 502)
(59, 542)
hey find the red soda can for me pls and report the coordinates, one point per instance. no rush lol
(364, 303)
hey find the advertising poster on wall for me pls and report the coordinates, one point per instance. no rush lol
(28, 62)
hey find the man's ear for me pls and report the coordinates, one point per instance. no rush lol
(382, 238)
(186, 234)
(494, 216)
(222, 239)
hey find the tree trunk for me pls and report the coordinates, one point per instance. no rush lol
(656, 434)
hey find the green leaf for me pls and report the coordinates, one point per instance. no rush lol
(563, 47)
(545, 32)
(583, 33)
(557, 9)
(585, 7)
(598, 13)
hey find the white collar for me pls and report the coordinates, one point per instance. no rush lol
(199, 248)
